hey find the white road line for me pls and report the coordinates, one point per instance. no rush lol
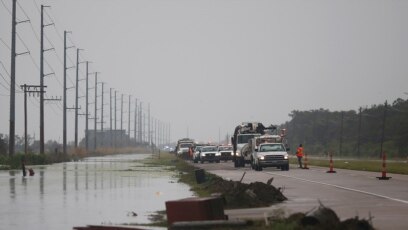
(341, 187)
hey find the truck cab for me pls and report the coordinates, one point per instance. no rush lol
(270, 155)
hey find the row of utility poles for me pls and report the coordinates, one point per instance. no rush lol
(159, 135)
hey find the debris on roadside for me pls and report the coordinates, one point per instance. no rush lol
(241, 195)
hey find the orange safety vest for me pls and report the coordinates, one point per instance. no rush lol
(299, 152)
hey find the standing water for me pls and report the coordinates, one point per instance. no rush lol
(98, 190)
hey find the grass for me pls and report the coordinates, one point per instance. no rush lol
(398, 167)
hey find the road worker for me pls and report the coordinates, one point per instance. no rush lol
(299, 154)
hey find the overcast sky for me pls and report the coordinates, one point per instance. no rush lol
(205, 66)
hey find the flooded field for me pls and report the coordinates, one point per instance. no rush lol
(98, 190)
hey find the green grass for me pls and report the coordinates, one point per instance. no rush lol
(398, 167)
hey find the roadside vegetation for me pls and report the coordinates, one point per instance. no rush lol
(353, 133)
(398, 167)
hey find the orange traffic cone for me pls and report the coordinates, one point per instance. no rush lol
(384, 169)
(305, 167)
(331, 164)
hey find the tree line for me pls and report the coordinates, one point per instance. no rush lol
(361, 133)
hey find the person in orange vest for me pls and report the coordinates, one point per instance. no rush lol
(299, 154)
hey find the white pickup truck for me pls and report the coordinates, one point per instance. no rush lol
(270, 155)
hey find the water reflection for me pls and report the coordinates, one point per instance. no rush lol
(42, 183)
(12, 183)
(64, 178)
(120, 186)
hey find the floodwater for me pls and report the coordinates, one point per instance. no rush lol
(97, 190)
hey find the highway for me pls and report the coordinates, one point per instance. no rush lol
(349, 193)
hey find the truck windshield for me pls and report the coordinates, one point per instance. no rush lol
(272, 148)
(185, 145)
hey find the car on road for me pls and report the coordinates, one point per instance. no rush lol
(226, 152)
(270, 155)
(210, 154)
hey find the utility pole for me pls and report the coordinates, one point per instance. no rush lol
(27, 89)
(156, 134)
(76, 98)
(140, 122)
(42, 79)
(103, 83)
(129, 121)
(96, 105)
(148, 124)
(12, 128)
(121, 120)
(13, 82)
(115, 121)
(102, 133)
(135, 129)
(87, 108)
(110, 117)
(64, 125)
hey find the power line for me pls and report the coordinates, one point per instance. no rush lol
(5, 69)
(5, 44)
(8, 10)
(2, 76)
(29, 20)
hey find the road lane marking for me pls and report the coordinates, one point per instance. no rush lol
(341, 187)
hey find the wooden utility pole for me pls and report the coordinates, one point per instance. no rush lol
(128, 142)
(42, 140)
(116, 144)
(96, 107)
(121, 120)
(110, 117)
(64, 109)
(30, 89)
(13, 82)
(135, 129)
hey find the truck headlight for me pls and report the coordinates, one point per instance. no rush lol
(261, 157)
(286, 157)
(218, 154)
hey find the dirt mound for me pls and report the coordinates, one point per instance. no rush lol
(240, 195)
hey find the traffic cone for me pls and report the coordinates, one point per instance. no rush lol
(331, 164)
(305, 167)
(384, 169)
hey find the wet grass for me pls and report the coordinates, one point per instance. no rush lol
(398, 167)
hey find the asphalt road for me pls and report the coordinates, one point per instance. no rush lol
(349, 193)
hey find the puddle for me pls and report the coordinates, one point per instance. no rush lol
(99, 190)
